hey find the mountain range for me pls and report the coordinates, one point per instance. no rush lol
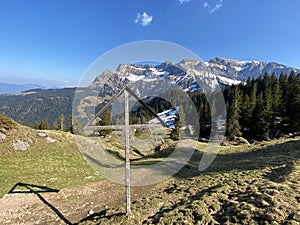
(190, 74)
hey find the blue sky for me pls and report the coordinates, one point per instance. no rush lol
(59, 39)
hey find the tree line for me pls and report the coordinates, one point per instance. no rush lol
(261, 108)
(59, 124)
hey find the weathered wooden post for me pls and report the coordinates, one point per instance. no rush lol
(127, 153)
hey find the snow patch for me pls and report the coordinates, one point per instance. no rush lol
(228, 81)
(222, 67)
(238, 68)
(159, 72)
(133, 78)
(168, 116)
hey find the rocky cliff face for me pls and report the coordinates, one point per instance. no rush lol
(241, 70)
(190, 74)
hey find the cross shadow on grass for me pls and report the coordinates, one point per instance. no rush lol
(23, 188)
(100, 215)
(36, 189)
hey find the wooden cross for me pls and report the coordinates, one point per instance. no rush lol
(126, 127)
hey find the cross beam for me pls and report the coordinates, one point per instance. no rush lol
(122, 127)
(125, 88)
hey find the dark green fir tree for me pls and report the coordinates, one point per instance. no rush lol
(233, 126)
(105, 121)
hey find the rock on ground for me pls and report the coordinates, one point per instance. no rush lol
(20, 145)
(2, 136)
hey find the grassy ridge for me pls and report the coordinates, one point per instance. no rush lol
(6, 123)
(56, 165)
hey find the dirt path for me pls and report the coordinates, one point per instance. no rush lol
(68, 206)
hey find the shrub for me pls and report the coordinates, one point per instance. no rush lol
(6, 123)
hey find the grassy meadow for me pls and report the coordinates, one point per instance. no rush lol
(246, 184)
(56, 165)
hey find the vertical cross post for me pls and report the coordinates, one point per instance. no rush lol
(126, 128)
(127, 154)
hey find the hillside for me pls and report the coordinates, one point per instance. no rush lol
(36, 105)
(246, 184)
(39, 157)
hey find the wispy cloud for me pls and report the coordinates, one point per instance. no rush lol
(206, 4)
(217, 7)
(183, 1)
(211, 10)
(144, 19)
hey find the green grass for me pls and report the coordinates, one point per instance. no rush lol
(257, 184)
(55, 165)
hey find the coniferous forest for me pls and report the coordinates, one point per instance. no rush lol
(258, 109)
(264, 108)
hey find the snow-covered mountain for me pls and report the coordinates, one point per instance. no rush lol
(190, 74)
(241, 70)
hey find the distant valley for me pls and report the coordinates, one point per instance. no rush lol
(17, 86)
(6, 88)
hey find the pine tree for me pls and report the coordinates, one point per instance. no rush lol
(266, 81)
(59, 124)
(36, 125)
(262, 116)
(182, 116)
(253, 94)
(293, 103)
(44, 125)
(179, 121)
(267, 112)
(105, 121)
(276, 98)
(75, 125)
(175, 132)
(283, 84)
(233, 125)
(246, 114)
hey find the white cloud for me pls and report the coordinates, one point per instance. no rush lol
(183, 1)
(143, 18)
(206, 4)
(217, 6)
